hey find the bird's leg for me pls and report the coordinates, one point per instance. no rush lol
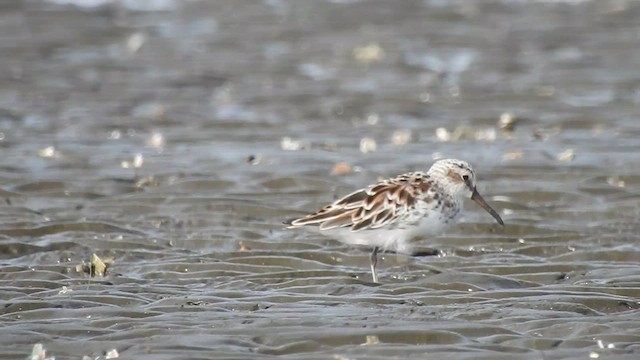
(374, 262)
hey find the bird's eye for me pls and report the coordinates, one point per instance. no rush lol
(465, 177)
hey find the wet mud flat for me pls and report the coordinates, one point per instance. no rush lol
(169, 140)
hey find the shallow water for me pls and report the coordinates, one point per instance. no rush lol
(174, 138)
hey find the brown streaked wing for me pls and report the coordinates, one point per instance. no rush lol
(334, 211)
(341, 219)
(371, 208)
(375, 200)
(352, 199)
(362, 224)
(381, 218)
(388, 201)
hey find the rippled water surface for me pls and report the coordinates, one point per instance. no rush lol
(172, 138)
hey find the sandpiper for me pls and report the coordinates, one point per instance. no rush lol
(391, 213)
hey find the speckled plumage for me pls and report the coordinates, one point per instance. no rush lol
(389, 214)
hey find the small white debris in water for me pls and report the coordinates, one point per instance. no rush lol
(425, 97)
(486, 135)
(443, 134)
(340, 357)
(373, 119)
(616, 181)
(115, 134)
(521, 241)
(401, 137)
(136, 162)
(611, 346)
(512, 155)
(135, 41)
(368, 54)
(112, 354)
(372, 340)
(290, 144)
(567, 155)
(507, 121)
(593, 355)
(39, 353)
(156, 141)
(600, 344)
(367, 145)
(64, 290)
(48, 152)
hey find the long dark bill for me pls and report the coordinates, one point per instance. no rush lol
(475, 196)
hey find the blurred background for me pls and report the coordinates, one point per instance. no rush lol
(150, 150)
